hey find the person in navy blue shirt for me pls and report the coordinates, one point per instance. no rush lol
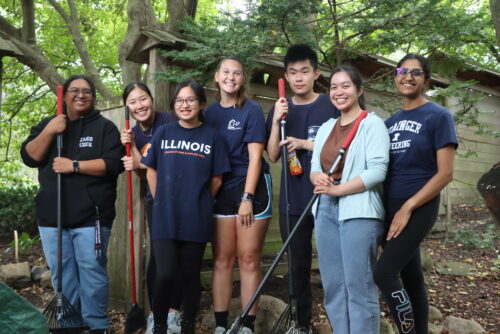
(422, 151)
(305, 112)
(244, 203)
(186, 160)
(139, 100)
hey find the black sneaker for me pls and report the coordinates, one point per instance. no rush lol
(160, 329)
(187, 327)
(305, 330)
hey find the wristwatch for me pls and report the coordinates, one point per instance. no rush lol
(246, 197)
(76, 166)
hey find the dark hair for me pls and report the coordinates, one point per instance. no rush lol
(198, 90)
(241, 98)
(356, 79)
(422, 60)
(133, 85)
(76, 77)
(299, 52)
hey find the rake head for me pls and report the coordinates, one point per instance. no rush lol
(286, 323)
(62, 316)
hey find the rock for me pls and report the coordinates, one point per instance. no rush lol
(454, 268)
(462, 326)
(426, 260)
(16, 275)
(46, 280)
(323, 329)
(434, 314)
(386, 327)
(270, 309)
(435, 329)
(36, 272)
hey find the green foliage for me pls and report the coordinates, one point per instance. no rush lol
(17, 211)
(25, 242)
(472, 238)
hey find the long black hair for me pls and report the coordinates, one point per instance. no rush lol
(131, 86)
(356, 79)
(198, 90)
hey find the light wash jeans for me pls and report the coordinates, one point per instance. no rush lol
(84, 278)
(347, 253)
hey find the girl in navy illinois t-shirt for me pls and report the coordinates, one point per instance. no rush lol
(243, 206)
(185, 160)
(422, 150)
(139, 100)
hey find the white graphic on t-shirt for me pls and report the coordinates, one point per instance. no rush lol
(405, 125)
(185, 145)
(234, 125)
(86, 141)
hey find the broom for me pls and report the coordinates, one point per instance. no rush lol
(287, 322)
(61, 316)
(135, 317)
(235, 327)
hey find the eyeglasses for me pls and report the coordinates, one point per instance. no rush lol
(401, 71)
(191, 101)
(76, 91)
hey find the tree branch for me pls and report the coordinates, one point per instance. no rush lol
(7, 28)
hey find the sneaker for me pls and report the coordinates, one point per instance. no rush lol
(245, 330)
(160, 329)
(150, 322)
(174, 322)
(220, 330)
(305, 330)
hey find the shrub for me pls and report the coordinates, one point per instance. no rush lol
(17, 210)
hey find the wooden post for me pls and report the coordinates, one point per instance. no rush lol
(159, 89)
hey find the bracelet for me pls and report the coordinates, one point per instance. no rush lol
(246, 197)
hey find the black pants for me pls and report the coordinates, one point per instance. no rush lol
(151, 269)
(406, 297)
(174, 257)
(301, 248)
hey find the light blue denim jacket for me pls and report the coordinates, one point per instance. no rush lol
(368, 158)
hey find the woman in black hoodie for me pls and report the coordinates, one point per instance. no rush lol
(89, 165)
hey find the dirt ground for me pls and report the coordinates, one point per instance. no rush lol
(476, 296)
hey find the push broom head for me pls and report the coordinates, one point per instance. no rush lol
(62, 316)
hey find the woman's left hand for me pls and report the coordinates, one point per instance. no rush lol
(328, 189)
(399, 222)
(245, 214)
(62, 165)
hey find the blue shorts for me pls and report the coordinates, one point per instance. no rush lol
(227, 201)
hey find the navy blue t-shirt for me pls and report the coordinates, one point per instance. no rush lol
(416, 135)
(185, 161)
(142, 138)
(238, 127)
(302, 121)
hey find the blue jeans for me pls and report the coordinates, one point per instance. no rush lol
(84, 278)
(347, 253)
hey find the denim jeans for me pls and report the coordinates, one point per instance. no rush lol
(84, 278)
(347, 253)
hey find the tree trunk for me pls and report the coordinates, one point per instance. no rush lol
(28, 30)
(177, 11)
(495, 13)
(140, 13)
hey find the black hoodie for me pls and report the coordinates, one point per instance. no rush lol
(89, 137)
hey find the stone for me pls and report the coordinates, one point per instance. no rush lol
(454, 268)
(270, 309)
(426, 260)
(386, 327)
(16, 275)
(36, 272)
(435, 329)
(457, 325)
(434, 314)
(323, 329)
(46, 279)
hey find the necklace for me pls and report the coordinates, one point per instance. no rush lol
(148, 132)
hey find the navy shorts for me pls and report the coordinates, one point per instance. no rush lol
(227, 201)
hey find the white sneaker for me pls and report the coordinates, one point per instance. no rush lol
(220, 330)
(174, 322)
(245, 330)
(150, 322)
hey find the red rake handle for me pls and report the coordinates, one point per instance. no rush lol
(130, 215)
(281, 91)
(59, 100)
(354, 129)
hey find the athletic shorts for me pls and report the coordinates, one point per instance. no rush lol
(227, 201)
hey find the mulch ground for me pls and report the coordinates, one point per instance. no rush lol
(469, 239)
